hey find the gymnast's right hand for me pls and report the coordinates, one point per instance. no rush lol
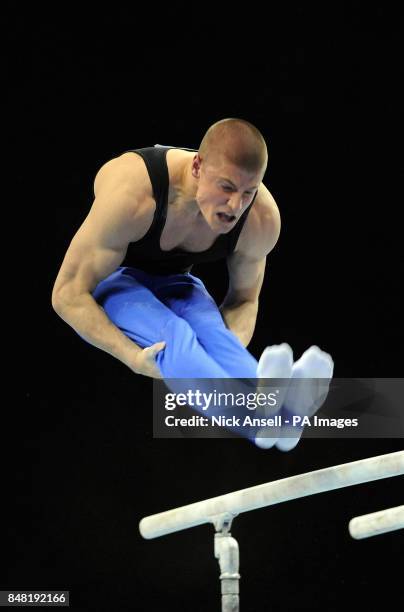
(146, 361)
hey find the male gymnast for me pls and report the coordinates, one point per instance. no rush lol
(125, 284)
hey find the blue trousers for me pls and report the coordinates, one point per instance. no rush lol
(176, 309)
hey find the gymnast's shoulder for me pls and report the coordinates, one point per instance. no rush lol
(263, 224)
(122, 185)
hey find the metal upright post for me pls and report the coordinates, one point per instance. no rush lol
(227, 553)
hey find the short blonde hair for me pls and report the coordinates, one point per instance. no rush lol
(239, 141)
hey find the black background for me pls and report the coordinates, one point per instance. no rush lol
(81, 465)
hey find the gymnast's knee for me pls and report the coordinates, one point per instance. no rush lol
(178, 331)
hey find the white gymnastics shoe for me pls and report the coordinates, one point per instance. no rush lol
(311, 376)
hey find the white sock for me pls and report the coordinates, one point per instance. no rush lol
(275, 362)
(305, 397)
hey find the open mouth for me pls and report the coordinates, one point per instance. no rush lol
(225, 218)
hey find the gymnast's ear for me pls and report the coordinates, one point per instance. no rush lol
(196, 166)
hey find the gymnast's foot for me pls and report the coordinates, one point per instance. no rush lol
(276, 363)
(311, 376)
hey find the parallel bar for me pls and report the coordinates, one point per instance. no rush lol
(278, 491)
(369, 525)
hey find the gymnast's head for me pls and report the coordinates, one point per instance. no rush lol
(229, 168)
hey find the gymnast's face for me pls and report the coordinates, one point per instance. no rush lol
(224, 191)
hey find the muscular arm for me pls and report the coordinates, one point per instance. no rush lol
(246, 267)
(96, 251)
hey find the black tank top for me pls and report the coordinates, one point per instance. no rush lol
(146, 253)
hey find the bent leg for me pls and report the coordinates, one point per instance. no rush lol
(187, 296)
(129, 299)
(139, 314)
